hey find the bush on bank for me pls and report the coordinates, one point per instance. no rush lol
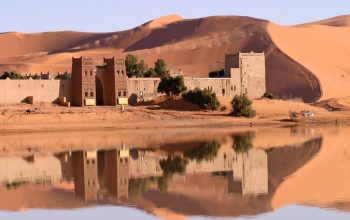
(205, 99)
(241, 105)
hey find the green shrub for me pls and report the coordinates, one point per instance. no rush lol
(12, 75)
(242, 107)
(172, 85)
(64, 76)
(270, 95)
(205, 99)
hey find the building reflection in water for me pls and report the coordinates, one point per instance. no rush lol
(107, 173)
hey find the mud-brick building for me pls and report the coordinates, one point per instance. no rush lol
(104, 84)
(101, 85)
(247, 73)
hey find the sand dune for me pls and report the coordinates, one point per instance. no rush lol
(301, 61)
(324, 50)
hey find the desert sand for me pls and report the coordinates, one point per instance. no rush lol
(306, 61)
(158, 114)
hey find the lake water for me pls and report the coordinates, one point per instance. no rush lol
(242, 173)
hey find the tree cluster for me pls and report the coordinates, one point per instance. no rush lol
(138, 68)
(172, 85)
(12, 75)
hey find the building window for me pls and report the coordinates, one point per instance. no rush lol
(91, 73)
(85, 73)
(124, 92)
(122, 72)
(234, 88)
(93, 162)
(119, 93)
(86, 94)
(118, 72)
(91, 94)
(88, 162)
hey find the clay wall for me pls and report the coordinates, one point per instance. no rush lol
(16, 91)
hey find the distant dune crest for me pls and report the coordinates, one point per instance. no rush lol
(162, 21)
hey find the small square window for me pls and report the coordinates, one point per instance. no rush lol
(119, 93)
(91, 94)
(86, 73)
(86, 94)
(118, 72)
(91, 73)
(124, 93)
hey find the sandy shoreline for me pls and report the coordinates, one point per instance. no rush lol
(46, 117)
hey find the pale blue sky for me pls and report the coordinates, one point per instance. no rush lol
(114, 15)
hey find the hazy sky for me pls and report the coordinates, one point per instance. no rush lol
(114, 15)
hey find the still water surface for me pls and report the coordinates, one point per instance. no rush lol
(279, 173)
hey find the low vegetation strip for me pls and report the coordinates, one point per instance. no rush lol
(205, 99)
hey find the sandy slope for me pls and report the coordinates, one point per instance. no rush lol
(323, 48)
(297, 58)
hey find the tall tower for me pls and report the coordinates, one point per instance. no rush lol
(117, 173)
(83, 82)
(247, 73)
(85, 175)
(115, 81)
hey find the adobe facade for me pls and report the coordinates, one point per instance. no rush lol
(103, 85)
(247, 73)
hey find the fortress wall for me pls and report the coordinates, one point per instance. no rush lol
(221, 86)
(16, 91)
(146, 86)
